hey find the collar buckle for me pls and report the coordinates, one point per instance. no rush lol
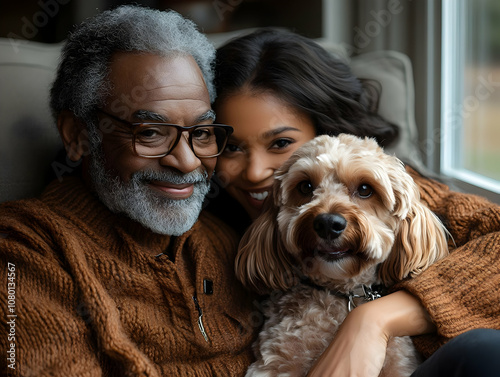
(364, 292)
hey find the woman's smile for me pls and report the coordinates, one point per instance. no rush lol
(257, 197)
(266, 133)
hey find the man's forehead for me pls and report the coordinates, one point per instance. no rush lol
(154, 71)
(146, 81)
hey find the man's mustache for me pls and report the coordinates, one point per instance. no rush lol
(145, 176)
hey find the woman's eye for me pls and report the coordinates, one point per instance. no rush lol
(365, 191)
(305, 187)
(282, 143)
(231, 148)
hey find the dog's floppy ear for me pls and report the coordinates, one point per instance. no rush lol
(420, 241)
(262, 263)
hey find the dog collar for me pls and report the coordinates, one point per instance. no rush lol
(363, 292)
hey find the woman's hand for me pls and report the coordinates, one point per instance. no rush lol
(358, 349)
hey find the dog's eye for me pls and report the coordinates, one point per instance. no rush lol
(305, 187)
(365, 191)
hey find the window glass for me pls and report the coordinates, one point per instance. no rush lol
(471, 91)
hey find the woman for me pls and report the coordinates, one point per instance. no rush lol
(270, 79)
(279, 90)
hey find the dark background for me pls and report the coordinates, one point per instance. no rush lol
(50, 21)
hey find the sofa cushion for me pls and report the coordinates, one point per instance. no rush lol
(393, 71)
(28, 136)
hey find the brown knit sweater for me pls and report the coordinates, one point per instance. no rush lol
(93, 298)
(462, 291)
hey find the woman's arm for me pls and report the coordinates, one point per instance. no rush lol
(454, 295)
(460, 292)
(360, 345)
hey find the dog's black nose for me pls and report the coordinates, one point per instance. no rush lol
(329, 225)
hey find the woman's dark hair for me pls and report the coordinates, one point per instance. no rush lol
(306, 77)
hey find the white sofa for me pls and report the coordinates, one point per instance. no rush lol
(28, 136)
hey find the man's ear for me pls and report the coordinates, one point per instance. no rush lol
(73, 134)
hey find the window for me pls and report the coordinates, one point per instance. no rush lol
(470, 145)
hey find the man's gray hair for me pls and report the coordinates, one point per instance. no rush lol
(81, 84)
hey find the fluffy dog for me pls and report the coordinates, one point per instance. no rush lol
(343, 216)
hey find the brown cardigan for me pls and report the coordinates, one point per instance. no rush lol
(93, 298)
(462, 291)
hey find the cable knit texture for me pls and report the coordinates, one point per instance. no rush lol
(93, 300)
(461, 292)
(93, 297)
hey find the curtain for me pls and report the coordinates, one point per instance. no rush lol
(408, 26)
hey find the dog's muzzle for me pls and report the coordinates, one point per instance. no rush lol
(329, 226)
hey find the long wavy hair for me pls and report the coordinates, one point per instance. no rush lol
(306, 77)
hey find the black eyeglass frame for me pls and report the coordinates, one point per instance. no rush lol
(135, 127)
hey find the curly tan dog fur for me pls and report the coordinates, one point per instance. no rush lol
(342, 215)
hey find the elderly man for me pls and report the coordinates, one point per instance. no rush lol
(114, 272)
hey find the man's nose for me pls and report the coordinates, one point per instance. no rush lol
(182, 157)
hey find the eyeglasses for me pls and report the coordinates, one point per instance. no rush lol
(154, 140)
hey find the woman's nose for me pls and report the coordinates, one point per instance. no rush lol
(258, 169)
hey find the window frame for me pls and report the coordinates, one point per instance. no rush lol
(452, 73)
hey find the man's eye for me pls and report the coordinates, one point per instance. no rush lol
(305, 187)
(148, 133)
(365, 191)
(202, 134)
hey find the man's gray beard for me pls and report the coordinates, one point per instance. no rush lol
(142, 204)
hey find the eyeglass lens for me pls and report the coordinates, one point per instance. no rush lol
(160, 139)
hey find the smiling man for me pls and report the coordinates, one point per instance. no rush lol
(163, 193)
(118, 272)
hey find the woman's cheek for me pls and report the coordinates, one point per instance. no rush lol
(228, 169)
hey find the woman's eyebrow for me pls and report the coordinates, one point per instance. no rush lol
(279, 130)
